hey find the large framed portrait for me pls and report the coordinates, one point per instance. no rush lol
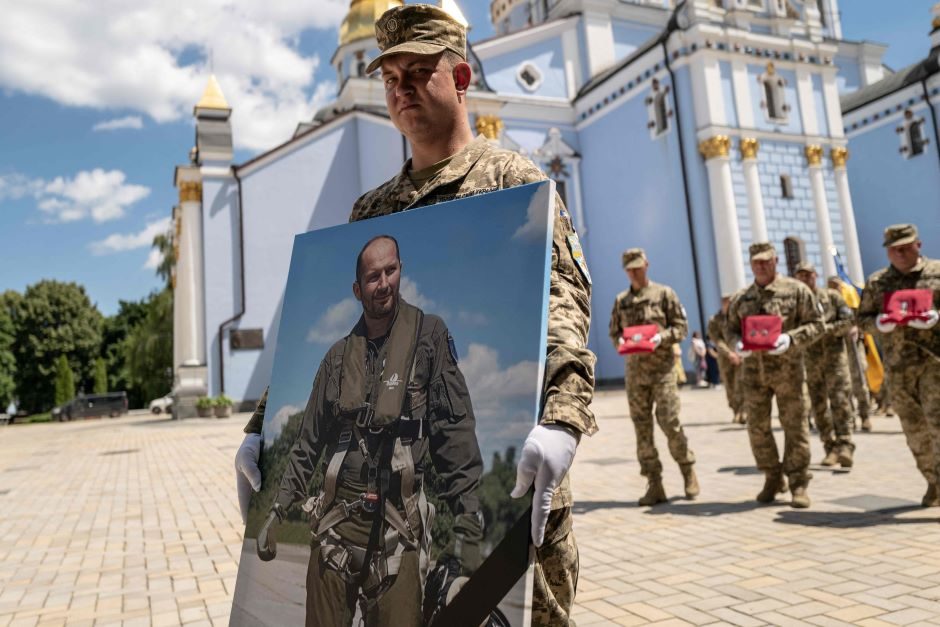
(407, 373)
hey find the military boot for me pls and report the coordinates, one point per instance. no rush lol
(655, 493)
(845, 456)
(931, 499)
(831, 458)
(691, 481)
(799, 498)
(774, 483)
(866, 424)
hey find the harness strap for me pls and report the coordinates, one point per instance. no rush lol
(332, 471)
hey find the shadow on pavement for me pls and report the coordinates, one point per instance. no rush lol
(741, 470)
(852, 520)
(683, 507)
(585, 507)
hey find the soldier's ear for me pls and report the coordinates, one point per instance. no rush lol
(462, 76)
(356, 291)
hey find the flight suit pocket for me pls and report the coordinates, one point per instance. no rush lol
(444, 400)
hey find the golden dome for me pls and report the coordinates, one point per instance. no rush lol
(212, 97)
(360, 21)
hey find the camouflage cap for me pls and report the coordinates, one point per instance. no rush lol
(900, 234)
(418, 28)
(633, 258)
(805, 266)
(762, 251)
(833, 279)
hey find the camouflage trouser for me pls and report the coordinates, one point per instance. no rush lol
(642, 393)
(827, 375)
(915, 395)
(556, 572)
(331, 602)
(731, 379)
(859, 383)
(784, 379)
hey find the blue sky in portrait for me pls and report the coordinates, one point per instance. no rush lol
(96, 110)
(452, 253)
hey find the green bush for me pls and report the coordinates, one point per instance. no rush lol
(204, 402)
(223, 401)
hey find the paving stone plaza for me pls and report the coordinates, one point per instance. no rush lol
(134, 521)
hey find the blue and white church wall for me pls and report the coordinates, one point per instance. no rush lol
(892, 179)
(287, 191)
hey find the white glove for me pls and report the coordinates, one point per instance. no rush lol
(781, 345)
(883, 325)
(546, 457)
(656, 340)
(247, 473)
(739, 349)
(923, 325)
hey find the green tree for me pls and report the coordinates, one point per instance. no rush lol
(164, 243)
(64, 381)
(101, 376)
(7, 358)
(116, 328)
(148, 347)
(53, 319)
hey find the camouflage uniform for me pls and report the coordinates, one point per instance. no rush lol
(765, 376)
(827, 373)
(650, 377)
(730, 374)
(912, 362)
(569, 368)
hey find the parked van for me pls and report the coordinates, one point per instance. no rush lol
(111, 404)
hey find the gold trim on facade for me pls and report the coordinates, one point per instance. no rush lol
(717, 146)
(190, 191)
(839, 156)
(814, 154)
(359, 22)
(749, 147)
(490, 126)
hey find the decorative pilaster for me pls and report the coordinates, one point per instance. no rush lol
(853, 255)
(814, 157)
(724, 213)
(755, 199)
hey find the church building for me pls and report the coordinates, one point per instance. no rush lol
(690, 129)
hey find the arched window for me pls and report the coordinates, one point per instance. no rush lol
(774, 103)
(913, 138)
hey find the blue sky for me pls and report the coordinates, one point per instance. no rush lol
(450, 253)
(95, 113)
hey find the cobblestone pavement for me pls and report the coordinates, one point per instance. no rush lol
(134, 521)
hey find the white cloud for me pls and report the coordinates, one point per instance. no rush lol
(536, 217)
(336, 322)
(98, 194)
(491, 385)
(151, 57)
(412, 294)
(153, 259)
(120, 242)
(130, 121)
(273, 428)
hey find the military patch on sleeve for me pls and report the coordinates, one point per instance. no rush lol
(567, 218)
(453, 347)
(574, 245)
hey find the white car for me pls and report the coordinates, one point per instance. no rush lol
(160, 405)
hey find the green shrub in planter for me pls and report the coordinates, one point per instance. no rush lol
(223, 406)
(204, 406)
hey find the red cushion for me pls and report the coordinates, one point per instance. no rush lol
(760, 333)
(903, 306)
(637, 339)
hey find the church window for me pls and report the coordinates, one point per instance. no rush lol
(913, 138)
(529, 76)
(786, 186)
(658, 110)
(794, 249)
(774, 103)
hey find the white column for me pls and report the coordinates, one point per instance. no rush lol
(755, 199)
(853, 254)
(599, 38)
(189, 273)
(724, 213)
(814, 154)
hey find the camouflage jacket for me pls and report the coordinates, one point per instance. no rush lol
(479, 168)
(717, 332)
(905, 346)
(784, 297)
(837, 319)
(654, 304)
